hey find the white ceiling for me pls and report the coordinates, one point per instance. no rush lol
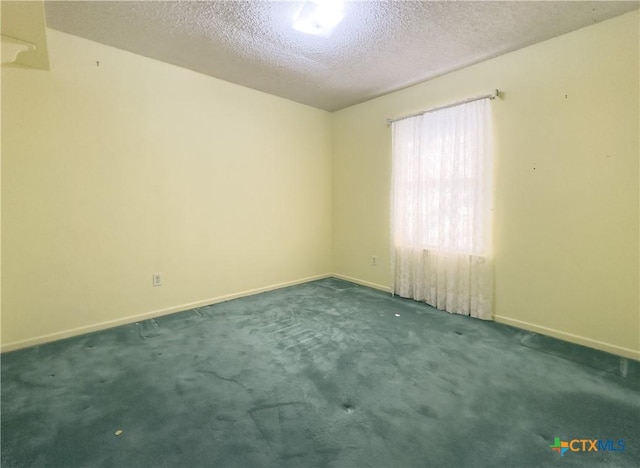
(380, 47)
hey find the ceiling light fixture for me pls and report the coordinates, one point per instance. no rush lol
(319, 17)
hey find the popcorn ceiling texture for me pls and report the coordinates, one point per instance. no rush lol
(379, 47)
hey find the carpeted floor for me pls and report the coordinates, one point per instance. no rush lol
(325, 374)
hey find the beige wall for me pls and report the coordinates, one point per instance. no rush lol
(111, 173)
(566, 182)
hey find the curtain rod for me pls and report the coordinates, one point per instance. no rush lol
(492, 95)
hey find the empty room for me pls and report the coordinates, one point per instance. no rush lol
(320, 234)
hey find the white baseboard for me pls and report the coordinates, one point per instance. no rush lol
(362, 282)
(570, 337)
(149, 315)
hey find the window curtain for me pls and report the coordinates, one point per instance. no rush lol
(441, 209)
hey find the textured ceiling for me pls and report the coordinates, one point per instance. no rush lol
(381, 46)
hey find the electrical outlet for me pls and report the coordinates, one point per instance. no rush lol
(157, 279)
(374, 260)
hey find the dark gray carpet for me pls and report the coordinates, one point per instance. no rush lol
(321, 374)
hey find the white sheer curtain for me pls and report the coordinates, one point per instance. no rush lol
(441, 209)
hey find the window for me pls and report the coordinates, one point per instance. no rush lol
(441, 195)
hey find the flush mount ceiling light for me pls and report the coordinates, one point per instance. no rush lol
(318, 17)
